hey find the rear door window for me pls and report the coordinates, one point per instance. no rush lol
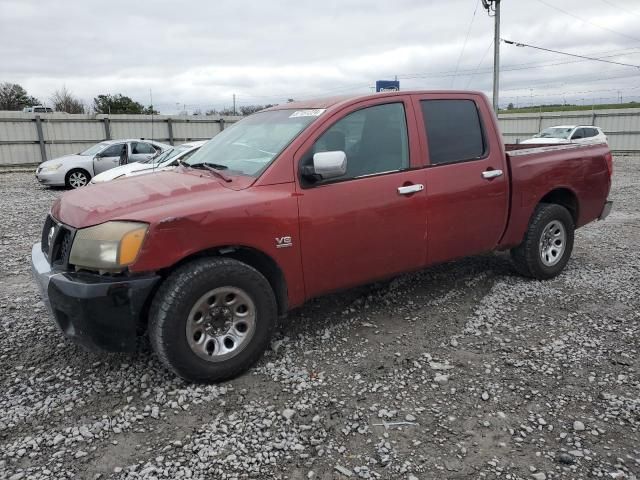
(454, 131)
(142, 148)
(579, 133)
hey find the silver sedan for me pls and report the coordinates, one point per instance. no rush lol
(77, 169)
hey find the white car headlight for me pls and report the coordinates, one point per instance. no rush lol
(51, 168)
(110, 246)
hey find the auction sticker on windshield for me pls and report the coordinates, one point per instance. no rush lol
(316, 112)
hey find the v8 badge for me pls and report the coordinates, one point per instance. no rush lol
(284, 242)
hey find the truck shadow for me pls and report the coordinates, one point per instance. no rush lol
(420, 290)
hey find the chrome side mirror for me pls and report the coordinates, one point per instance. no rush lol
(327, 165)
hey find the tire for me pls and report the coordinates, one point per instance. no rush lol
(197, 349)
(77, 178)
(535, 256)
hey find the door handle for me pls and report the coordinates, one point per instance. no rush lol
(409, 189)
(491, 174)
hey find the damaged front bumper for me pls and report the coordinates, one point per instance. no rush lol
(96, 311)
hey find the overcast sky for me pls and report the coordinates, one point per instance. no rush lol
(199, 53)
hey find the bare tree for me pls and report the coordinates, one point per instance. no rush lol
(64, 101)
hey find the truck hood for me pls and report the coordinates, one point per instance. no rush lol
(146, 198)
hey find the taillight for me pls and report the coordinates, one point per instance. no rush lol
(609, 159)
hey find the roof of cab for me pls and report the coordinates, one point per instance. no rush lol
(329, 102)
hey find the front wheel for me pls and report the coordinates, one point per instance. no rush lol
(547, 244)
(77, 178)
(212, 319)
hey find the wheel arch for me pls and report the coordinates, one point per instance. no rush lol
(565, 197)
(77, 169)
(255, 258)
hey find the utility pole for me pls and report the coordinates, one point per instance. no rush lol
(493, 9)
(151, 106)
(234, 103)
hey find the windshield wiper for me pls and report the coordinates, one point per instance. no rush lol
(214, 168)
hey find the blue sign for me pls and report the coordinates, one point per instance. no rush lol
(387, 85)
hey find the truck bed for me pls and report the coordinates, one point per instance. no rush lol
(579, 172)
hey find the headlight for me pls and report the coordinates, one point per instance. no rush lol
(110, 246)
(51, 168)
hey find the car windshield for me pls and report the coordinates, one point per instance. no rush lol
(249, 146)
(555, 132)
(167, 155)
(98, 147)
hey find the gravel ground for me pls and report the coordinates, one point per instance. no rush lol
(462, 371)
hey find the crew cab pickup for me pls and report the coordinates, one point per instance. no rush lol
(298, 201)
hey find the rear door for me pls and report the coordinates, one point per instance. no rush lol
(465, 177)
(370, 223)
(592, 135)
(580, 136)
(141, 151)
(108, 158)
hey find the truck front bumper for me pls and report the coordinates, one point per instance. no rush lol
(98, 312)
(606, 210)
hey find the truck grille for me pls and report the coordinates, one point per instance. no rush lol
(56, 242)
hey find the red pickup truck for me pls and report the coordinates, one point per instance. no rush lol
(297, 201)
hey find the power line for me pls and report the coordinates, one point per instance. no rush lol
(515, 66)
(620, 8)
(464, 45)
(575, 80)
(479, 63)
(625, 89)
(587, 21)
(276, 97)
(520, 44)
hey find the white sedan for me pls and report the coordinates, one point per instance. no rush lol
(167, 160)
(583, 134)
(77, 169)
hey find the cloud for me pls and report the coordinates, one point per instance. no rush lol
(200, 53)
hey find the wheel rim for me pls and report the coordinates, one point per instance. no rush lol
(552, 243)
(77, 179)
(221, 324)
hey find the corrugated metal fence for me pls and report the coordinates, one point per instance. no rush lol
(27, 138)
(622, 126)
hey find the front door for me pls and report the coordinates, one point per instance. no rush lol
(370, 223)
(466, 177)
(108, 158)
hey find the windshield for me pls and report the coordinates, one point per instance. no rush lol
(555, 132)
(250, 145)
(167, 155)
(97, 148)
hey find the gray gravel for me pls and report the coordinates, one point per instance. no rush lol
(462, 371)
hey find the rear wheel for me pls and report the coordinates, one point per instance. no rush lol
(212, 319)
(77, 178)
(547, 244)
